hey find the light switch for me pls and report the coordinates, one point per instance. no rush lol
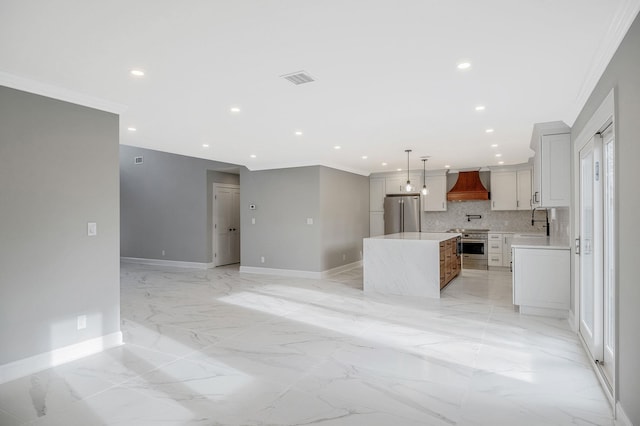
(92, 229)
(309, 221)
(253, 220)
(82, 322)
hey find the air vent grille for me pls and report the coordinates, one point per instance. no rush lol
(300, 77)
(137, 160)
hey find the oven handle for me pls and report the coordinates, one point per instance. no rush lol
(471, 240)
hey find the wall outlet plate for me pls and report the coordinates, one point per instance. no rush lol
(82, 322)
(92, 229)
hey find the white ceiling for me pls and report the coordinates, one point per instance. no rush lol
(386, 73)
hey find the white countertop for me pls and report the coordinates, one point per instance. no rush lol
(418, 236)
(543, 242)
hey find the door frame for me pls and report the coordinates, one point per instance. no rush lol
(214, 217)
(600, 120)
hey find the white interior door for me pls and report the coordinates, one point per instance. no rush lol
(590, 276)
(226, 224)
(609, 268)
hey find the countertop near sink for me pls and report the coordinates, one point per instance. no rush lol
(539, 241)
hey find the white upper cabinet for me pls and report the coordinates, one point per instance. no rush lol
(511, 188)
(504, 190)
(551, 164)
(397, 184)
(523, 178)
(377, 193)
(436, 199)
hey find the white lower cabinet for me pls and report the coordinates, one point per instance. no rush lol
(499, 249)
(541, 281)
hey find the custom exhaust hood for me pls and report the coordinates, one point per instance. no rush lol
(468, 187)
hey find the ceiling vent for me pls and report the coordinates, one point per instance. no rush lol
(299, 77)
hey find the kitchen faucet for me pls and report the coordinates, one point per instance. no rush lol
(546, 218)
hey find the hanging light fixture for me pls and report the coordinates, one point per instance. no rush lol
(409, 187)
(425, 191)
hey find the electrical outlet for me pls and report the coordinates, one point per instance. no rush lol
(344, 256)
(253, 220)
(309, 221)
(163, 252)
(261, 259)
(92, 229)
(82, 322)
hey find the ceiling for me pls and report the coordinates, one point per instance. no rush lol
(386, 74)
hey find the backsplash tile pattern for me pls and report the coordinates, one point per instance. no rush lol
(499, 221)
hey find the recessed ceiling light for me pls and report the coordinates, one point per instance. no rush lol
(298, 133)
(480, 108)
(234, 109)
(464, 65)
(253, 156)
(337, 147)
(494, 145)
(137, 73)
(446, 166)
(131, 129)
(399, 170)
(384, 164)
(489, 130)
(498, 155)
(364, 157)
(205, 145)
(500, 162)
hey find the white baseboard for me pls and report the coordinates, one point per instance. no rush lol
(282, 272)
(33, 364)
(545, 312)
(297, 273)
(342, 268)
(621, 416)
(162, 262)
(573, 322)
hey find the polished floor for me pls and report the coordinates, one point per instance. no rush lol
(218, 347)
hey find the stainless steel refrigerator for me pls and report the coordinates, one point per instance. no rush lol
(401, 213)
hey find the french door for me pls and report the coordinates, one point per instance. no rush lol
(596, 238)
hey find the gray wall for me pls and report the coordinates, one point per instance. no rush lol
(284, 199)
(344, 213)
(623, 75)
(166, 204)
(58, 171)
(338, 203)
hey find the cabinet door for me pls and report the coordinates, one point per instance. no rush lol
(503, 191)
(506, 249)
(541, 278)
(395, 185)
(376, 224)
(523, 178)
(376, 194)
(555, 177)
(436, 199)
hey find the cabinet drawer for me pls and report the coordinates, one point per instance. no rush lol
(495, 237)
(495, 259)
(495, 246)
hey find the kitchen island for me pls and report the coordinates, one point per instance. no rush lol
(410, 263)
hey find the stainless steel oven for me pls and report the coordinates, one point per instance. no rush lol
(474, 248)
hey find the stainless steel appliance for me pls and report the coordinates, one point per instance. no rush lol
(474, 248)
(401, 213)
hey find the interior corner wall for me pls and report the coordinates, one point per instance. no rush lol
(344, 216)
(166, 204)
(622, 75)
(58, 171)
(284, 200)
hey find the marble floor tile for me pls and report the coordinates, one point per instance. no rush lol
(218, 347)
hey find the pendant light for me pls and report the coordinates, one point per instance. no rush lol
(425, 191)
(409, 187)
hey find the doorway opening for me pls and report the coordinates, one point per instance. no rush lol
(226, 224)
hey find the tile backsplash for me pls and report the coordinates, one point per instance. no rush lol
(499, 221)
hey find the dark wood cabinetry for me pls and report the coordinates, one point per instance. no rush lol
(450, 264)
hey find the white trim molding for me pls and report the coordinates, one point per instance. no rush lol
(60, 93)
(33, 364)
(172, 263)
(343, 268)
(621, 417)
(282, 272)
(298, 273)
